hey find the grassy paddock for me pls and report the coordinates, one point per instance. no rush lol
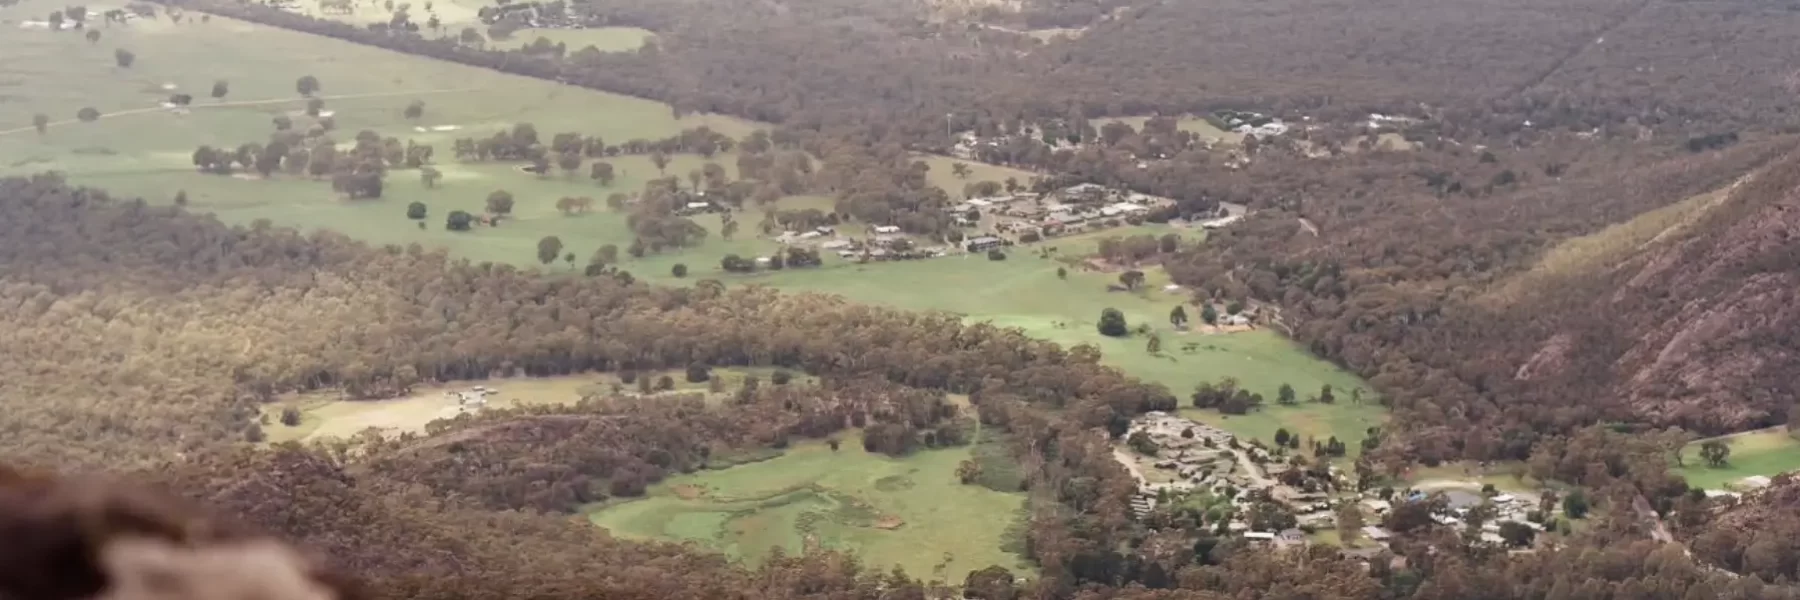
(909, 512)
(1767, 452)
(1024, 291)
(141, 149)
(942, 176)
(325, 415)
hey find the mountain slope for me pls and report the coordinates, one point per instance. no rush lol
(1699, 328)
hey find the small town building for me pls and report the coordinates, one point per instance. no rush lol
(986, 242)
(1221, 222)
(887, 229)
(1376, 533)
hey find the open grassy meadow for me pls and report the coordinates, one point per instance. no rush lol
(1768, 452)
(139, 148)
(325, 414)
(911, 512)
(1024, 291)
(941, 174)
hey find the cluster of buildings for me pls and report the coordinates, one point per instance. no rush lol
(1190, 456)
(1508, 507)
(1249, 123)
(537, 15)
(886, 243)
(474, 398)
(1079, 207)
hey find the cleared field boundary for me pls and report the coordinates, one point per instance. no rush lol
(240, 103)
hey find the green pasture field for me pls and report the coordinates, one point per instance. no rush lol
(138, 148)
(325, 414)
(942, 176)
(1768, 452)
(911, 512)
(1023, 291)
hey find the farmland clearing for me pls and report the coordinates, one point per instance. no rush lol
(911, 511)
(1766, 452)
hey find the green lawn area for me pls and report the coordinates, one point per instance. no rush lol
(324, 414)
(1469, 475)
(147, 152)
(910, 511)
(1194, 125)
(1767, 452)
(941, 173)
(1024, 291)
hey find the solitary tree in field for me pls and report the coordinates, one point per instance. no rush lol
(549, 248)
(124, 58)
(661, 161)
(415, 211)
(41, 121)
(307, 85)
(1178, 317)
(960, 170)
(1208, 314)
(679, 270)
(1131, 279)
(604, 255)
(568, 162)
(430, 176)
(602, 172)
(458, 220)
(220, 89)
(569, 259)
(1285, 395)
(93, 36)
(1062, 273)
(1716, 453)
(1112, 323)
(88, 114)
(1154, 346)
(500, 202)
(414, 110)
